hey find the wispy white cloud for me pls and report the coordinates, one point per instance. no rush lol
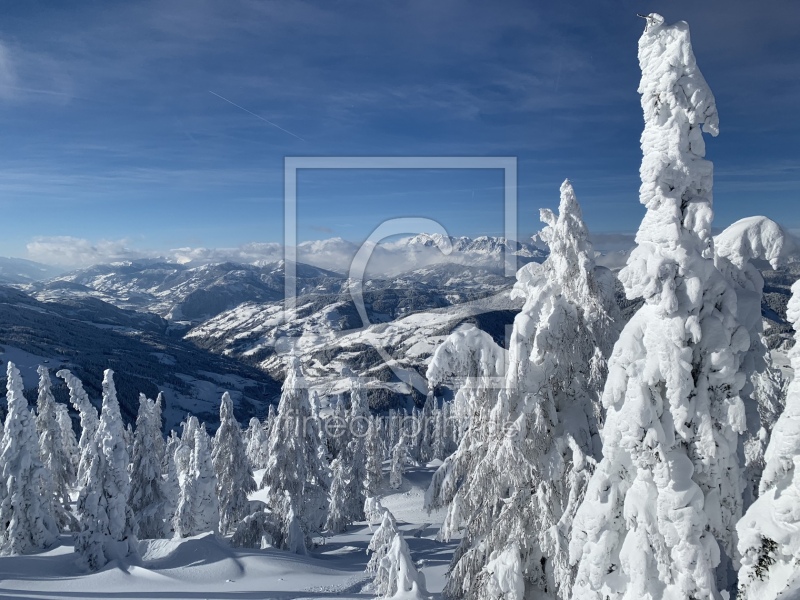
(8, 74)
(336, 254)
(248, 253)
(73, 252)
(27, 74)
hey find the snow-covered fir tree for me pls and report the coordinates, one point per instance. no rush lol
(53, 454)
(355, 453)
(183, 452)
(373, 449)
(89, 421)
(234, 475)
(69, 439)
(260, 529)
(255, 438)
(147, 498)
(416, 435)
(159, 443)
(198, 508)
(472, 358)
(398, 575)
(427, 422)
(188, 429)
(373, 510)
(26, 520)
(107, 526)
(737, 248)
(392, 431)
(769, 533)
(319, 425)
(337, 430)
(540, 437)
(659, 515)
(296, 479)
(439, 445)
(339, 497)
(272, 413)
(172, 485)
(380, 543)
(128, 434)
(398, 464)
(267, 428)
(453, 427)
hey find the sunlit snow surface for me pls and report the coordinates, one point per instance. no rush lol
(205, 566)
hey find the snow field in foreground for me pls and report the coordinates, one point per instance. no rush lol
(205, 566)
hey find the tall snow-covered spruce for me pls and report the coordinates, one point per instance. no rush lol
(471, 355)
(148, 500)
(106, 520)
(68, 439)
(198, 508)
(659, 513)
(26, 520)
(737, 248)
(355, 452)
(171, 482)
(89, 421)
(540, 437)
(338, 505)
(296, 480)
(255, 439)
(398, 466)
(54, 453)
(232, 467)
(374, 459)
(769, 533)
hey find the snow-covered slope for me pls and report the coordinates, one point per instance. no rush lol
(197, 289)
(234, 309)
(206, 566)
(19, 270)
(88, 336)
(329, 337)
(181, 293)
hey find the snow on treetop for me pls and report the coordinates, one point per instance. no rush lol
(14, 395)
(676, 179)
(467, 352)
(571, 262)
(668, 64)
(757, 238)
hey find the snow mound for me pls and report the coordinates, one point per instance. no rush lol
(757, 238)
(200, 558)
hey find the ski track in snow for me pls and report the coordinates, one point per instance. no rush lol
(205, 566)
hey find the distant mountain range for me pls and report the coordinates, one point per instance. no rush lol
(195, 328)
(19, 270)
(180, 293)
(188, 293)
(87, 336)
(126, 314)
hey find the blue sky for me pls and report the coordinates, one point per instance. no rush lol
(111, 131)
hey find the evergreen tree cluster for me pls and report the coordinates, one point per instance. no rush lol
(647, 458)
(131, 483)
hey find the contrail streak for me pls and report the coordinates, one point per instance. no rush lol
(257, 116)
